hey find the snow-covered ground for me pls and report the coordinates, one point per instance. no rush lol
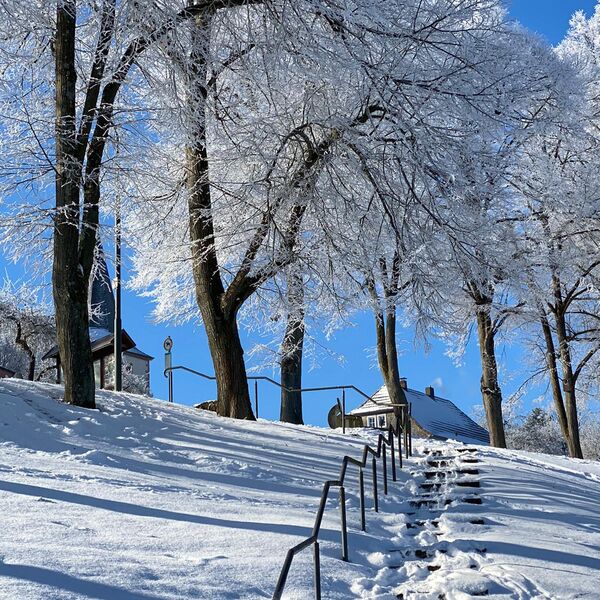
(144, 500)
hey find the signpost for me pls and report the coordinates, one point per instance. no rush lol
(168, 346)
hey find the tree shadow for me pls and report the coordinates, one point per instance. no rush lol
(68, 583)
(544, 554)
(157, 513)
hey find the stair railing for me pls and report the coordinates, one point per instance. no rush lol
(402, 426)
(169, 370)
(402, 429)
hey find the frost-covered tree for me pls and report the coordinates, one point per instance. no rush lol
(274, 106)
(27, 331)
(557, 249)
(536, 432)
(65, 65)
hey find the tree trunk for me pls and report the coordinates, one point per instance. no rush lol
(569, 393)
(21, 340)
(387, 356)
(291, 353)
(233, 398)
(557, 396)
(70, 280)
(490, 389)
(392, 378)
(220, 320)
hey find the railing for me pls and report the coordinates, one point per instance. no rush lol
(381, 452)
(169, 369)
(402, 428)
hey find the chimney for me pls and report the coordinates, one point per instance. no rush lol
(403, 383)
(430, 391)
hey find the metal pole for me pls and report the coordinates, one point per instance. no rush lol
(410, 429)
(393, 456)
(118, 326)
(406, 426)
(256, 397)
(361, 487)
(384, 467)
(343, 523)
(400, 450)
(343, 411)
(317, 573)
(375, 498)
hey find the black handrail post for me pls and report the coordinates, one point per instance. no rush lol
(410, 428)
(393, 456)
(256, 397)
(343, 523)
(384, 467)
(361, 487)
(317, 573)
(406, 432)
(344, 411)
(400, 448)
(168, 346)
(374, 469)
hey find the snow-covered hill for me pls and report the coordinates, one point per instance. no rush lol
(144, 500)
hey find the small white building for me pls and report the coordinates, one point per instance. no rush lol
(431, 415)
(136, 364)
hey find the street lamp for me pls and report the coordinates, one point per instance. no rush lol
(118, 329)
(168, 372)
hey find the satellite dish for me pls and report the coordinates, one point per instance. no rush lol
(334, 417)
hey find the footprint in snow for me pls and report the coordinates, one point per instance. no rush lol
(205, 561)
(60, 523)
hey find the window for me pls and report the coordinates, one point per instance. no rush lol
(381, 420)
(97, 371)
(371, 421)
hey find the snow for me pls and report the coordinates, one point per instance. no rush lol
(99, 333)
(142, 499)
(145, 500)
(538, 534)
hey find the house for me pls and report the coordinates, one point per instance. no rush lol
(431, 415)
(136, 364)
(6, 373)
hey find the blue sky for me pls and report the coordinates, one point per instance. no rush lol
(550, 18)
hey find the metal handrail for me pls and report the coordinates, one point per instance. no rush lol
(273, 381)
(404, 430)
(168, 372)
(313, 539)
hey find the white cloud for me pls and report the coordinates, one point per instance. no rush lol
(438, 383)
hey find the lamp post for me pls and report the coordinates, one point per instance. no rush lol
(168, 346)
(118, 329)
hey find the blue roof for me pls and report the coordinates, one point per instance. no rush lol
(439, 416)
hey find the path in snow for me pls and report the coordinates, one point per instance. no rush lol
(493, 524)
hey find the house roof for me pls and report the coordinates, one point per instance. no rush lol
(439, 416)
(137, 352)
(102, 340)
